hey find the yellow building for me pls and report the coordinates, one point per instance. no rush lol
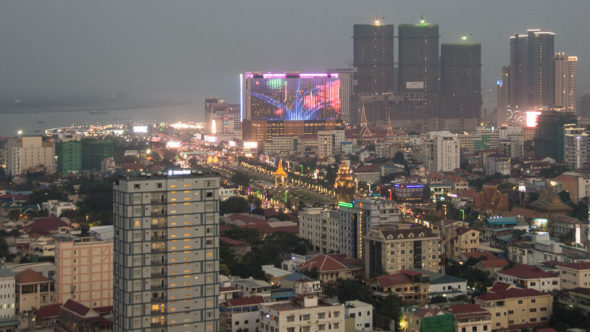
(573, 275)
(516, 308)
(462, 240)
(390, 250)
(410, 286)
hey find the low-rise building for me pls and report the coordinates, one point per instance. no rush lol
(74, 316)
(527, 276)
(573, 275)
(252, 287)
(462, 240)
(333, 267)
(517, 308)
(470, 318)
(443, 284)
(33, 290)
(8, 321)
(240, 314)
(303, 313)
(360, 314)
(410, 286)
(424, 320)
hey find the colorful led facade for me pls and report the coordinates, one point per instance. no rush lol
(290, 96)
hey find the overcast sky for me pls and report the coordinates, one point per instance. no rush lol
(192, 49)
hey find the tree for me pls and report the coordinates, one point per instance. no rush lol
(438, 299)
(553, 171)
(313, 273)
(565, 197)
(388, 310)
(193, 163)
(241, 179)
(234, 205)
(84, 229)
(40, 196)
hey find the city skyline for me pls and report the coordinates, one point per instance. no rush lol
(118, 49)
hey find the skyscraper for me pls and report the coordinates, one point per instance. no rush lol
(565, 81)
(549, 136)
(373, 57)
(166, 252)
(503, 97)
(532, 70)
(418, 57)
(461, 84)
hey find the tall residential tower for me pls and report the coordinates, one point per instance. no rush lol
(166, 263)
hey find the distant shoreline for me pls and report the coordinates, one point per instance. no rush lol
(86, 108)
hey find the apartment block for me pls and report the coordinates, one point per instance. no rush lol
(516, 308)
(389, 250)
(527, 276)
(166, 264)
(240, 314)
(7, 300)
(574, 275)
(84, 270)
(29, 153)
(303, 313)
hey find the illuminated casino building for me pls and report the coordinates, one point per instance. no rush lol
(290, 96)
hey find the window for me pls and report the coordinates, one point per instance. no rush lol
(485, 327)
(290, 318)
(533, 300)
(474, 329)
(543, 308)
(533, 310)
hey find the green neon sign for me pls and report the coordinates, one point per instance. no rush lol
(344, 204)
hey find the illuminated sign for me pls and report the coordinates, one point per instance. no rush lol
(250, 145)
(344, 204)
(500, 82)
(210, 138)
(232, 144)
(173, 144)
(531, 119)
(414, 85)
(140, 129)
(539, 223)
(291, 96)
(175, 172)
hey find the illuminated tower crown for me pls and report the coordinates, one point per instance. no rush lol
(345, 183)
(280, 175)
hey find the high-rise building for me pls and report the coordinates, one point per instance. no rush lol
(549, 135)
(576, 146)
(346, 76)
(84, 270)
(441, 151)
(531, 70)
(585, 106)
(419, 57)
(373, 57)
(68, 156)
(503, 97)
(290, 96)
(8, 320)
(166, 252)
(566, 68)
(29, 153)
(94, 152)
(213, 105)
(330, 142)
(461, 85)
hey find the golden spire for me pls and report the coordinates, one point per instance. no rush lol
(364, 122)
(280, 171)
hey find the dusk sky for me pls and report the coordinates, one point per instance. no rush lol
(188, 50)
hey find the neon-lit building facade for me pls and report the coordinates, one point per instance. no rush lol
(290, 96)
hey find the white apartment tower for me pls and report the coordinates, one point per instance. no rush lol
(441, 151)
(575, 146)
(166, 248)
(27, 153)
(565, 81)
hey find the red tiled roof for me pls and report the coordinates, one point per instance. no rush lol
(46, 226)
(29, 276)
(104, 310)
(232, 242)
(261, 225)
(523, 271)
(468, 310)
(575, 266)
(491, 263)
(228, 289)
(348, 261)
(510, 293)
(462, 230)
(410, 273)
(367, 168)
(499, 287)
(47, 312)
(323, 263)
(76, 307)
(389, 280)
(244, 301)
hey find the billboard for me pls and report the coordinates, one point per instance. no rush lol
(291, 96)
(140, 129)
(539, 224)
(414, 85)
